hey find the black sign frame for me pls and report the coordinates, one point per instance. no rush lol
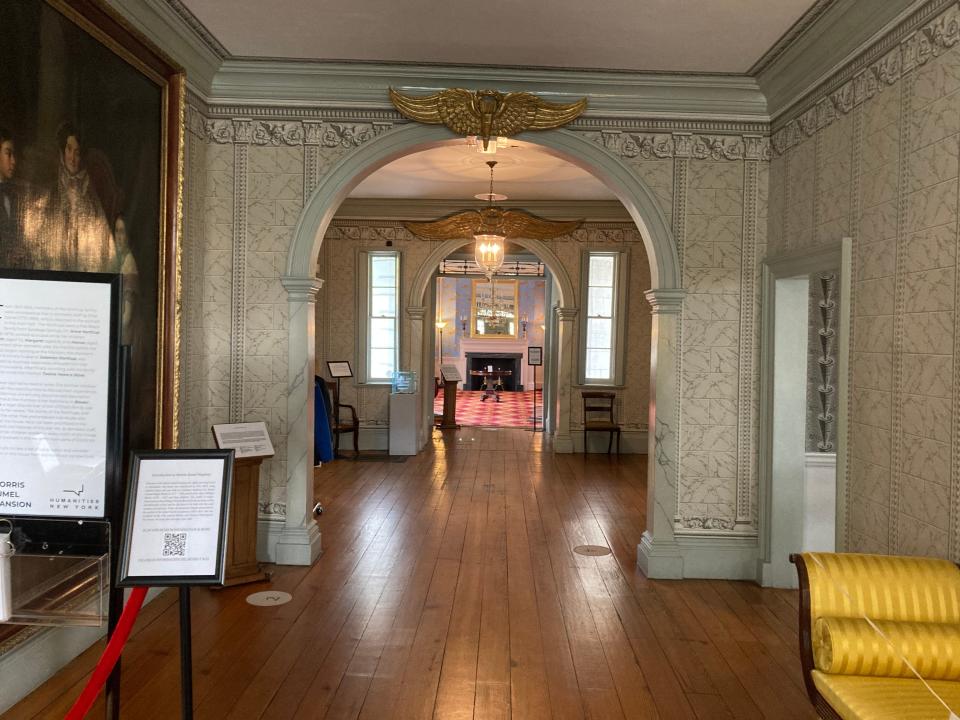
(124, 579)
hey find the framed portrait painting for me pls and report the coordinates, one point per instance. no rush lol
(493, 310)
(91, 128)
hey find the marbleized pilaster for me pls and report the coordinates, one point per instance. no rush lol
(562, 440)
(299, 543)
(658, 554)
(416, 314)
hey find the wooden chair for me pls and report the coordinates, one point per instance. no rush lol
(598, 416)
(337, 426)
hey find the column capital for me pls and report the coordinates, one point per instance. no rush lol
(666, 301)
(416, 312)
(567, 314)
(301, 289)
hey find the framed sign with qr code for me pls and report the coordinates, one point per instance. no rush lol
(175, 523)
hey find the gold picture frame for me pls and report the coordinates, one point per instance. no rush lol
(483, 326)
(121, 101)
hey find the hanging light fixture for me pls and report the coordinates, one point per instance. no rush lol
(489, 241)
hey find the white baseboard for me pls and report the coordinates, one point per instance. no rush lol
(632, 442)
(706, 555)
(375, 437)
(659, 560)
(298, 546)
(269, 530)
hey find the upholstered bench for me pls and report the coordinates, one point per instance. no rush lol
(851, 671)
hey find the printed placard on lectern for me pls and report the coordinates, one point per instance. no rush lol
(535, 355)
(247, 440)
(451, 373)
(175, 524)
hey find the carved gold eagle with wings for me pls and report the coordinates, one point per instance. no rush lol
(510, 223)
(486, 113)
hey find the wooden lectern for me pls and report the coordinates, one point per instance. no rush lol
(242, 566)
(251, 443)
(449, 420)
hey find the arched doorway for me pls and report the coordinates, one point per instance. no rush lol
(299, 542)
(422, 356)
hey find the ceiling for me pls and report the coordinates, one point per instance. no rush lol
(725, 36)
(458, 172)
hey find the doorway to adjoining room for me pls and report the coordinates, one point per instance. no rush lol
(485, 331)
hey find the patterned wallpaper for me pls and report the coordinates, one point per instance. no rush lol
(246, 183)
(878, 160)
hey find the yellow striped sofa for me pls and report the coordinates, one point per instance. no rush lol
(853, 672)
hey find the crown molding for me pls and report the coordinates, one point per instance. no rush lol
(841, 32)
(591, 211)
(791, 36)
(189, 44)
(363, 86)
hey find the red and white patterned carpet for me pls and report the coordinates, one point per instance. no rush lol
(515, 409)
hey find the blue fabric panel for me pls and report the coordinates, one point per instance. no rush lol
(322, 440)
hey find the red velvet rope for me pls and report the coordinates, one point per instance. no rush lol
(110, 656)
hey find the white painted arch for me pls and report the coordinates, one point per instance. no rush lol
(629, 187)
(299, 543)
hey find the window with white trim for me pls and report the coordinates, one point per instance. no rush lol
(600, 335)
(383, 276)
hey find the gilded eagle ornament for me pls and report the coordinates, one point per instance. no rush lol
(488, 114)
(510, 223)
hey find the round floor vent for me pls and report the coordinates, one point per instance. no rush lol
(268, 598)
(592, 550)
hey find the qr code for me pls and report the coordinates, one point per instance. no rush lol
(174, 544)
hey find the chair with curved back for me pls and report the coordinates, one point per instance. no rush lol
(340, 427)
(598, 416)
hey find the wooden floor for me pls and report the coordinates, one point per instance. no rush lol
(449, 588)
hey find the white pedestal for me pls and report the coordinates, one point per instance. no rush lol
(404, 412)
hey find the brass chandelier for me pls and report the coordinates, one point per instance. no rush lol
(490, 227)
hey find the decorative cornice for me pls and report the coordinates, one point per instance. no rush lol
(295, 132)
(907, 47)
(567, 314)
(298, 83)
(849, 36)
(683, 145)
(416, 312)
(199, 29)
(666, 301)
(791, 36)
(637, 123)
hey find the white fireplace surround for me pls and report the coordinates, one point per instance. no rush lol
(517, 347)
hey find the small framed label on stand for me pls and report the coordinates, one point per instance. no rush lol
(339, 369)
(175, 524)
(535, 360)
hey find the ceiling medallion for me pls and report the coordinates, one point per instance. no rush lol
(487, 115)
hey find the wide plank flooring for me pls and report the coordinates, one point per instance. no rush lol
(448, 588)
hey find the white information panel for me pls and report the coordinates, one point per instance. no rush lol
(245, 439)
(54, 396)
(176, 519)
